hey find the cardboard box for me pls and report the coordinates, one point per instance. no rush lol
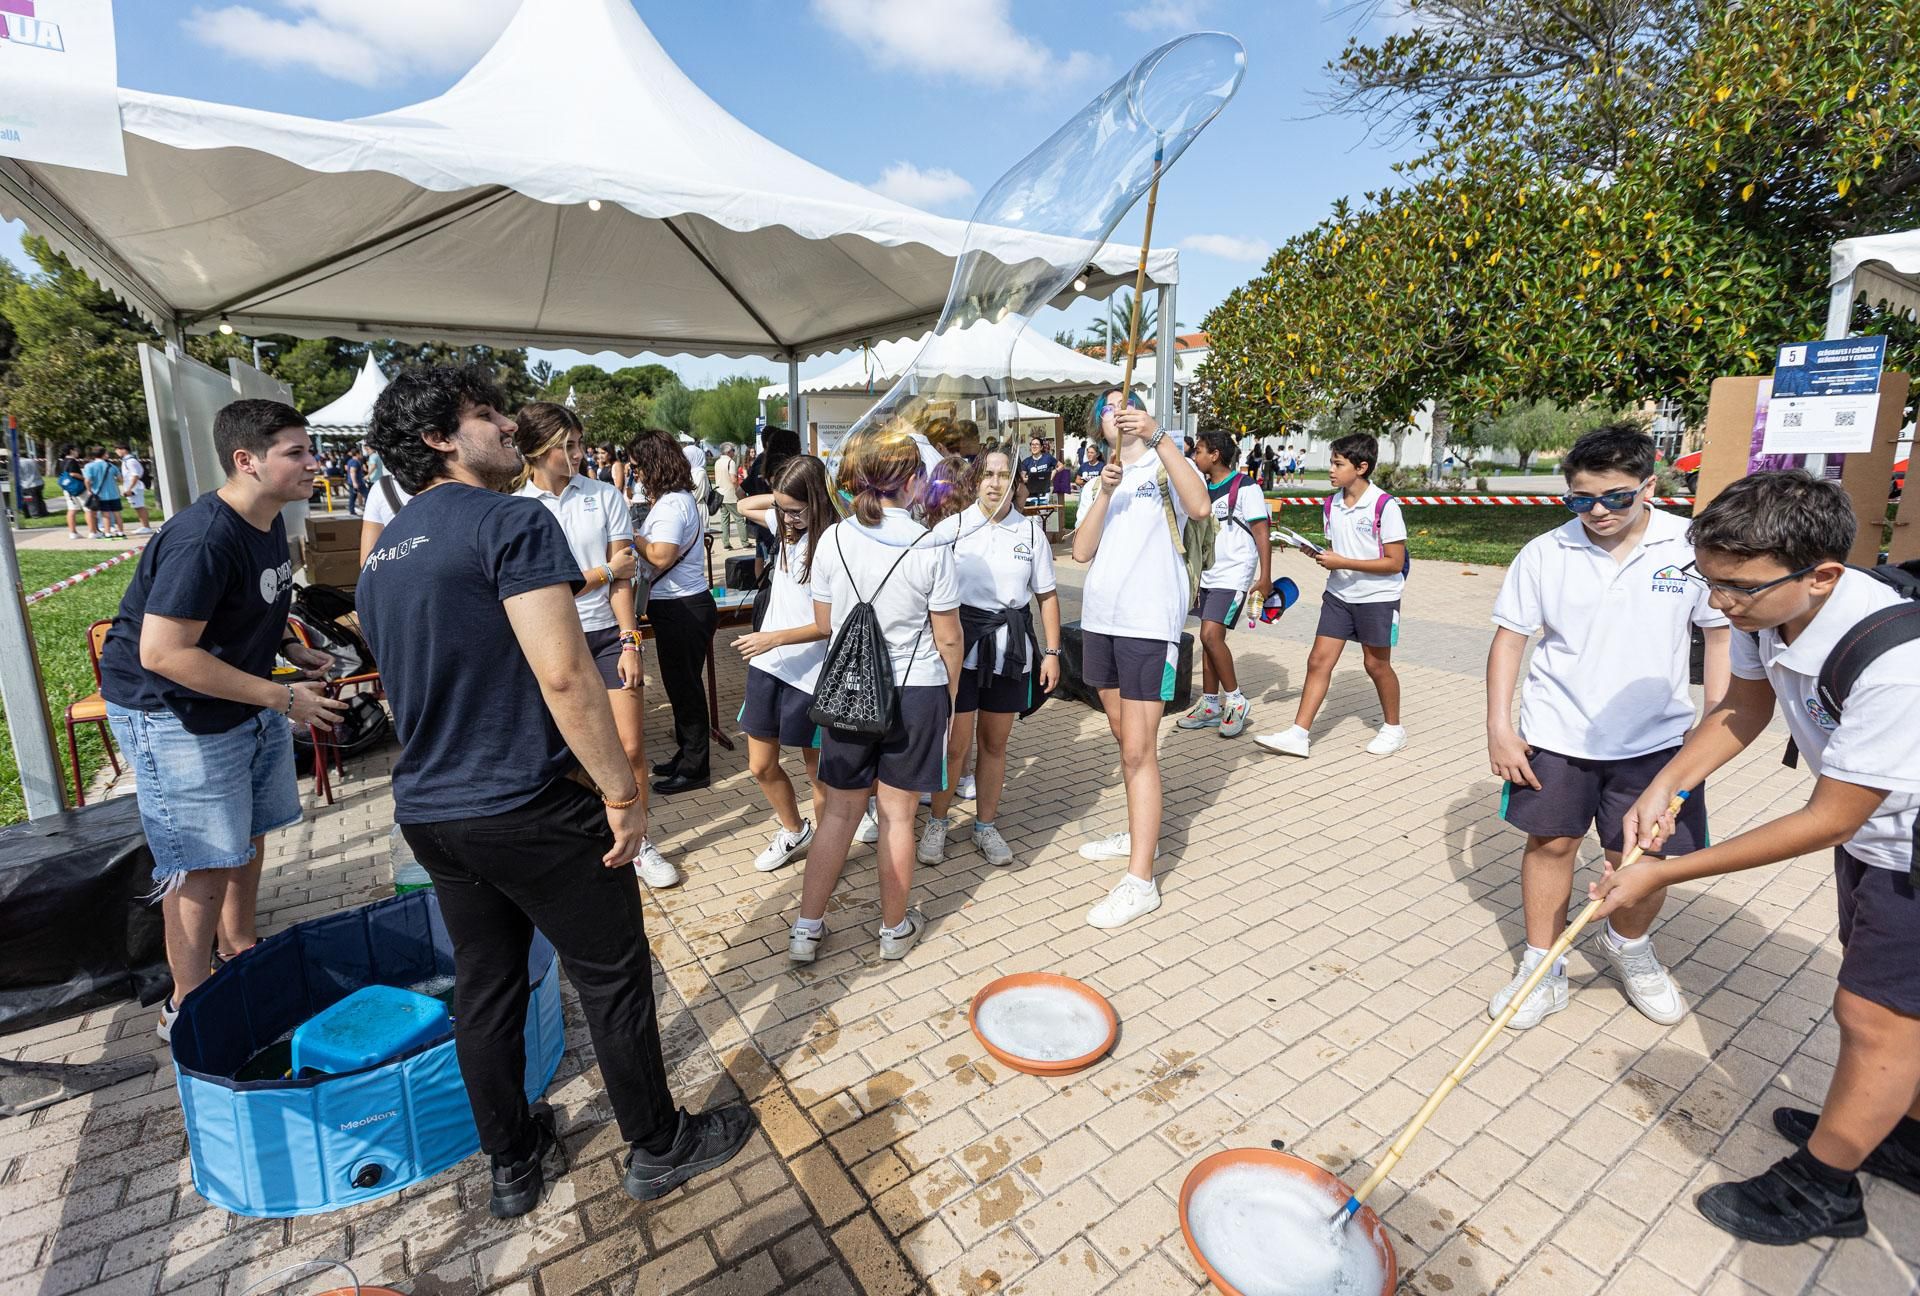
(337, 567)
(333, 533)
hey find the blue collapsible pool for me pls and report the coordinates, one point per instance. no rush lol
(298, 1146)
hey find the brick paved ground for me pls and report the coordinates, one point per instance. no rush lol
(1330, 935)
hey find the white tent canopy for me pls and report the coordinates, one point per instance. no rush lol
(466, 218)
(1886, 267)
(354, 409)
(978, 352)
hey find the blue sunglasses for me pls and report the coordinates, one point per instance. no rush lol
(1615, 500)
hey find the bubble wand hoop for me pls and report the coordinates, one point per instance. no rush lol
(1459, 1073)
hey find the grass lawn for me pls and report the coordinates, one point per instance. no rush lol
(60, 636)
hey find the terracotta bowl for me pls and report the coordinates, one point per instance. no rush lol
(1065, 1067)
(1365, 1220)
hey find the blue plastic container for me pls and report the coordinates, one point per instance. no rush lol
(366, 1028)
(301, 1146)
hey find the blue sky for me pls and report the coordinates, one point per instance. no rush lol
(928, 100)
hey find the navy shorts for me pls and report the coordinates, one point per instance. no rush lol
(1222, 605)
(1003, 695)
(1371, 625)
(605, 647)
(911, 756)
(1577, 794)
(776, 711)
(1879, 914)
(1142, 669)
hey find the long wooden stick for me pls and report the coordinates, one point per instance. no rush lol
(1459, 1073)
(1140, 286)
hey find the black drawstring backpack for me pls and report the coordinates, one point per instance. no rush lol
(855, 692)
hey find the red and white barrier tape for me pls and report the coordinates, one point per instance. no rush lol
(1664, 500)
(79, 576)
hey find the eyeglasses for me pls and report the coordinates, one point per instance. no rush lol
(1692, 573)
(1615, 500)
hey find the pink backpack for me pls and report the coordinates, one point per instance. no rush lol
(1379, 511)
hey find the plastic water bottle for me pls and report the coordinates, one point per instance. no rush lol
(408, 876)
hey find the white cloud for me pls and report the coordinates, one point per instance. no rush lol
(972, 40)
(365, 42)
(1168, 15)
(1228, 247)
(932, 189)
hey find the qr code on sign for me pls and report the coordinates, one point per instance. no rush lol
(1844, 418)
(1792, 419)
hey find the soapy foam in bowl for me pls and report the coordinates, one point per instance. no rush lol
(1265, 1231)
(1042, 1023)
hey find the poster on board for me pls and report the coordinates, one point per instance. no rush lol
(1826, 396)
(59, 84)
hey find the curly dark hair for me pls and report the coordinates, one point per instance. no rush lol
(656, 457)
(426, 399)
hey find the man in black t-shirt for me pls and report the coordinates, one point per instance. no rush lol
(1036, 472)
(185, 671)
(512, 787)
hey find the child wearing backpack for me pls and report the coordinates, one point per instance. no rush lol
(1240, 576)
(885, 593)
(1133, 604)
(1838, 649)
(1605, 706)
(785, 649)
(1366, 562)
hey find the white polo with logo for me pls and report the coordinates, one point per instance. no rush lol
(1350, 533)
(1876, 740)
(1608, 679)
(1136, 586)
(593, 516)
(1000, 564)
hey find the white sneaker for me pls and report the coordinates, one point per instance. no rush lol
(1123, 904)
(933, 842)
(784, 847)
(654, 868)
(1205, 714)
(1550, 996)
(143, 531)
(869, 829)
(164, 1027)
(802, 945)
(1117, 847)
(989, 842)
(896, 947)
(1647, 984)
(966, 789)
(1389, 740)
(1291, 741)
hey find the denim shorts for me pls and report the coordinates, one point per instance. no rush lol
(204, 797)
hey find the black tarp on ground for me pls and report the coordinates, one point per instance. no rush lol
(74, 931)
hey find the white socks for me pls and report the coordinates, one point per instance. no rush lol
(810, 926)
(1560, 966)
(1210, 699)
(1624, 946)
(1296, 731)
(1143, 884)
(1236, 696)
(906, 925)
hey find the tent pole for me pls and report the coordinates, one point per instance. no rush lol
(1163, 376)
(793, 392)
(22, 693)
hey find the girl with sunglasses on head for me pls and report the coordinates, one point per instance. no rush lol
(784, 652)
(1132, 607)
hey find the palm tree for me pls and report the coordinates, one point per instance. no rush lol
(1116, 318)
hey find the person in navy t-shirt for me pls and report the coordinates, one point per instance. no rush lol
(185, 671)
(512, 787)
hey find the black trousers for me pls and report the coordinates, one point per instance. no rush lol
(539, 866)
(683, 627)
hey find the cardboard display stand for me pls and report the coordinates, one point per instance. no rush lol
(1866, 476)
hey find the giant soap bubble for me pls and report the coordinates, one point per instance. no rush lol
(1041, 225)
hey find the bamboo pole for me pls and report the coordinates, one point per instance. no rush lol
(1140, 283)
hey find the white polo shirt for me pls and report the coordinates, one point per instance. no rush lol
(676, 519)
(1236, 558)
(998, 565)
(593, 516)
(789, 606)
(1350, 534)
(1608, 679)
(851, 563)
(1136, 586)
(1876, 741)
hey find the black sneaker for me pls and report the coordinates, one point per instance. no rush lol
(517, 1184)
(1785, 1206)
(1891, 1161)
(703, 1142)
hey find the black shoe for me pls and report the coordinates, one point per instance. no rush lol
(702, 1143)
(1891, 1161)
(517, 1184)
(1786, 1206)
(663, 768)
(681, 783)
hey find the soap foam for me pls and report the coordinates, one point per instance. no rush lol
(1042, 1023)
(1265, 1231)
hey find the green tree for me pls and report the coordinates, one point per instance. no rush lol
(673, 407)
(1610, 200)
(1118, 318)
(77, 389)
(318, 369)
(726, 411)
(1532, 427)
